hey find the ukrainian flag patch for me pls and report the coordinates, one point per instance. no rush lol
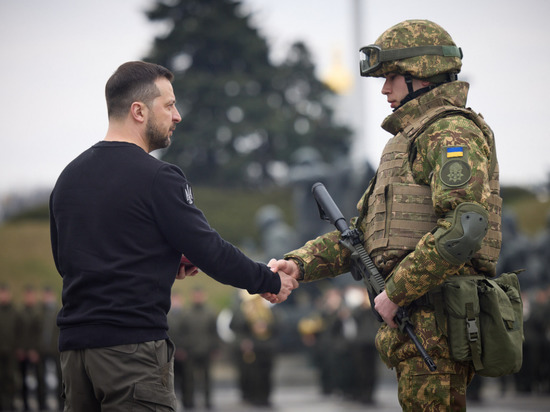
(455, 152)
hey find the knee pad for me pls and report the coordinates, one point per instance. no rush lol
(458, 242)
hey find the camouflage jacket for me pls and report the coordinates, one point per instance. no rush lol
(422, 268)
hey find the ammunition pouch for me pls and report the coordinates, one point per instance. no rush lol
(483, 321)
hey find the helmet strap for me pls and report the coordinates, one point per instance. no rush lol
(414, 94)
(409, 82)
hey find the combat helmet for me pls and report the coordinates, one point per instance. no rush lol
(414, 48)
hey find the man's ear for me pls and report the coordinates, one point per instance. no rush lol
(426, 83)
(138, 111)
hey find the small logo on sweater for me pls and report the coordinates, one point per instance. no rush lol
(188, 194)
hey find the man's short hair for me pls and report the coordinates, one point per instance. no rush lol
(133, 82)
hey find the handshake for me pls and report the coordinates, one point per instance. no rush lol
(287, 269)
(289, 273)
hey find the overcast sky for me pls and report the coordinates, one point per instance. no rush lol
(58, 54)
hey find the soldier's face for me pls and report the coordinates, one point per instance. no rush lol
(395, 88)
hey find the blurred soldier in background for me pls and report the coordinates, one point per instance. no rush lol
(256, 330)
(331, 341)
(175, 316)
(363, 348)
(49, 364)
(541, 312)
(8, 318)
(29, 336)
(537, 351)
(533, 327)
(200, 342)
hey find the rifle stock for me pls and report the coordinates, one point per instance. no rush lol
(352, 240)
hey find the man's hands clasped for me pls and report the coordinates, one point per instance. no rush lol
(289, 273)
(287, 270)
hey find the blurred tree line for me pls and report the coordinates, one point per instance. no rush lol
(242, 115)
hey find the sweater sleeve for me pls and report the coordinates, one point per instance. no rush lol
(187, 230)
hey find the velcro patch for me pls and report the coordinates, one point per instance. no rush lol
(455, 152)
(455, 173)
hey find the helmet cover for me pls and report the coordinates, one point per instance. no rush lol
(417, 33)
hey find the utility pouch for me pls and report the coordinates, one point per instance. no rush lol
(501, 319)
(463, 324)
(485, 322)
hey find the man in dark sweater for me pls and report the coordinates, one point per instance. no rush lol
(120, 222)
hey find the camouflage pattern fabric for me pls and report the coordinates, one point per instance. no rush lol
(413, 33)
(323, 257)
(441, 391)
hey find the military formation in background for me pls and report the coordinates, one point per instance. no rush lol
(30, 374)
(339, 335)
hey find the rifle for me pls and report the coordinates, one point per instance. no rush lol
(368, 272)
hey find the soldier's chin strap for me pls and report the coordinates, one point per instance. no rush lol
(436, 81)
(409, 83)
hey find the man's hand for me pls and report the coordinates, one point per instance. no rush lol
(288, 267)
(386, 308)
(186, 269)
(288, 283)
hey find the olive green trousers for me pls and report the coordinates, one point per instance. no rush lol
(134, 377)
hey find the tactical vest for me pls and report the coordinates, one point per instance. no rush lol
(396, 212)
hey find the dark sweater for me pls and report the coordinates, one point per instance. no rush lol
(120, 220)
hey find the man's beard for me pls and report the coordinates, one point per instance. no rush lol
(156, 138)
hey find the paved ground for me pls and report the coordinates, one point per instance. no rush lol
(296, 391)
(307, 399)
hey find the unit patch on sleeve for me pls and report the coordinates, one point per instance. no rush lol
(455, 170)
(188, 194)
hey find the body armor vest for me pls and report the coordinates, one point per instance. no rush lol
(396, 212)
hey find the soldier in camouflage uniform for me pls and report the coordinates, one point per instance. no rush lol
(437, 170)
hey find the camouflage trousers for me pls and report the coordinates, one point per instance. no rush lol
(442, 390)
